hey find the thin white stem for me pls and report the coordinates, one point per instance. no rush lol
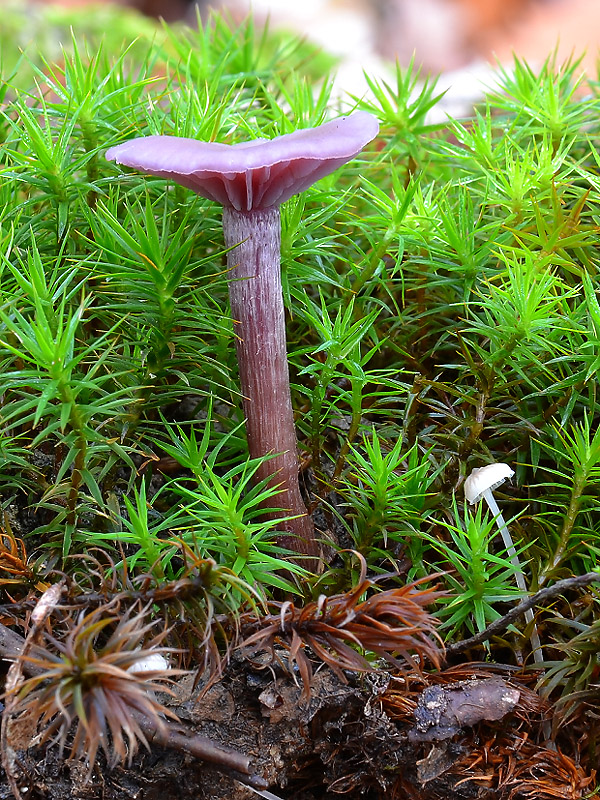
(536, 644)
(506, 538)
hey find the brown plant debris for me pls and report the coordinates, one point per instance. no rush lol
(392, 624)
(17, 725)
(15, 568)
(515, 767)
(85, 680)
(501, 761)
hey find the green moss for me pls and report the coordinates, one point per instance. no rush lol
(443, 313)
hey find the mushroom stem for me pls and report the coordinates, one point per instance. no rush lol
(258, 311)
(506, 538)
(536, 645)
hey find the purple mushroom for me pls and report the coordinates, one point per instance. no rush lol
(251, 180)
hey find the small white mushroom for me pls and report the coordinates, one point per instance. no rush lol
(151, 663)
(481, 484)
(486, 479)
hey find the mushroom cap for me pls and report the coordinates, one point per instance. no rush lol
(484, 478)
(251, 175)
(154, 662)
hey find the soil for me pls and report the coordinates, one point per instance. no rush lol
(377, 736)
(471, 731)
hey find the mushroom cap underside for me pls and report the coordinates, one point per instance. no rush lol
(251, 175)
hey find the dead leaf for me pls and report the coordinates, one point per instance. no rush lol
(442, 711)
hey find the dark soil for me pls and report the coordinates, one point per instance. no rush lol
(376, 737)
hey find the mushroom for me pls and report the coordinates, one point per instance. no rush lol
(481, 484)
(251, 180)
(150, 662)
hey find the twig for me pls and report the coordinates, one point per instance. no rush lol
(198, 746)
(182, 588)
(501, 624)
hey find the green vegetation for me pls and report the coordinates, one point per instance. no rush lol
(442, 291)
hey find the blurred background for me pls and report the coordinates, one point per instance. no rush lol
(444, 35)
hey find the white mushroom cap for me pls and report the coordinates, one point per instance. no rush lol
(486, 478)
(152, 663)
